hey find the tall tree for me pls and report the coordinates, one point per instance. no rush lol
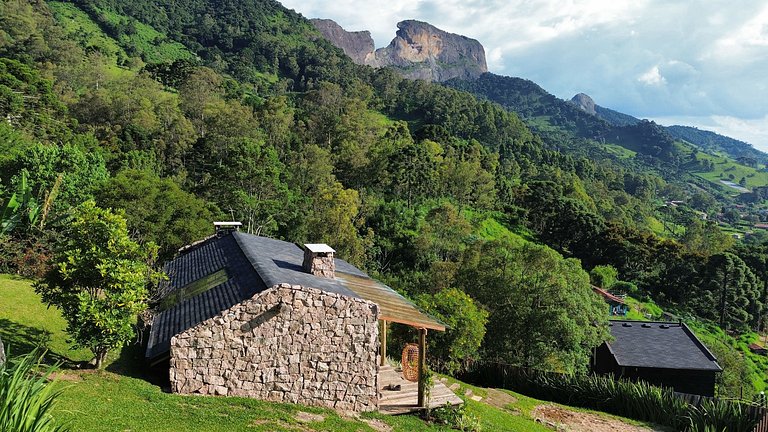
(729, 292)
(99, 280)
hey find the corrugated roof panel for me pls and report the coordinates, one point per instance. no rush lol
(393, 307)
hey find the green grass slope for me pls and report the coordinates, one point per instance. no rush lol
(139, 39)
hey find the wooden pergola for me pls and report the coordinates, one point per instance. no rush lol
(394, 308)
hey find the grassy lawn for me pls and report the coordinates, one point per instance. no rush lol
(638, 310)
(124, 398)
(724, 167)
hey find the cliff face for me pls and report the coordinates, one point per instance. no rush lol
(358, 45)
(584, 102)
(418, 51)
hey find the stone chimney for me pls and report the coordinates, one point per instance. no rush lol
(318, 260)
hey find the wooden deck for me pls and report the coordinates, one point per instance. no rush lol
(405, 400)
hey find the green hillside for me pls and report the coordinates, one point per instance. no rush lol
(175, 114)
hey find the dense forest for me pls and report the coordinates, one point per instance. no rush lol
(180, 113)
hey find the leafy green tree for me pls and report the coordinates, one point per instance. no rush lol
(543, 312)
(625, 287)
(158, 210)
(18, 208)
(703, 201)
(466, 327)
(99, 280)
(705, 237)
(604, 276)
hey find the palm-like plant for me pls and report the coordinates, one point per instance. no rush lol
(26, 397)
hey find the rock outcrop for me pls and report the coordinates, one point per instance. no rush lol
(418, 51)
(584, 102)
(357, 45)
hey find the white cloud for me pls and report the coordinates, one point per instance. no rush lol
(652, 77)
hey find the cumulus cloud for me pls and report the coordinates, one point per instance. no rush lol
(652, 77)
(648, 58)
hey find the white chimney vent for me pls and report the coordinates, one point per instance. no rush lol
(319, 261)
(224, 228)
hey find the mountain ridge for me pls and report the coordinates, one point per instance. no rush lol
(418, 51)
(705, 140)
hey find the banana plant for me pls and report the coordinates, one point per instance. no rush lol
(20, 206)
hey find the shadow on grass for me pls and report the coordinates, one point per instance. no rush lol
(20, 339)
(131, 363)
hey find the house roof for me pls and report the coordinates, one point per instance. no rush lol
(220, 272)
(661, 345)
(608, 296)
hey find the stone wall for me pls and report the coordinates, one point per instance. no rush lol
(287, 344)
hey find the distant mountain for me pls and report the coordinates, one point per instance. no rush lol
(713, 142)
(532, 102)
(615, 118)
(707, 141)
(418, 51)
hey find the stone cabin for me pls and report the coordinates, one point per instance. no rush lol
(665, 354)
(244, 315)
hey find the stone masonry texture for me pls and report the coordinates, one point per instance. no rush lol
(286, 344)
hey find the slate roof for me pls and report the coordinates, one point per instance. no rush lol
(202, 260)
(252, 264)
(662, 345)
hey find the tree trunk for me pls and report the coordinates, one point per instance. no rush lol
(723, 298)
(101, 355)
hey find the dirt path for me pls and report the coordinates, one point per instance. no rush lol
(565, 420)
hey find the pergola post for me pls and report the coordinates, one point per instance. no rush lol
(383, 341)
(422, 366)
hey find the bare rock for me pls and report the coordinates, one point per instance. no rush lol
(584, 102)
(418, 51)
(357, 45)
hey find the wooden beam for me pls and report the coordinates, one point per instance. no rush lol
(383, 341)
(422, 365)
(417, 324)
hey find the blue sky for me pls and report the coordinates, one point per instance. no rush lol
(701, 63)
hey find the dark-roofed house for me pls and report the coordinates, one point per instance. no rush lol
(252, 316)
(666, 354)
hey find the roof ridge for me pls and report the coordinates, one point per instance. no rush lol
(700, 344)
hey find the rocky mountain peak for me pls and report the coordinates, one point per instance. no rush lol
(418, 51)
(584, 102)
(357, 45)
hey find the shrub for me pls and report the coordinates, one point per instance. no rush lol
(636, 400)
(456, 418)
(603, 276)
(26, 398)
(466, 328)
